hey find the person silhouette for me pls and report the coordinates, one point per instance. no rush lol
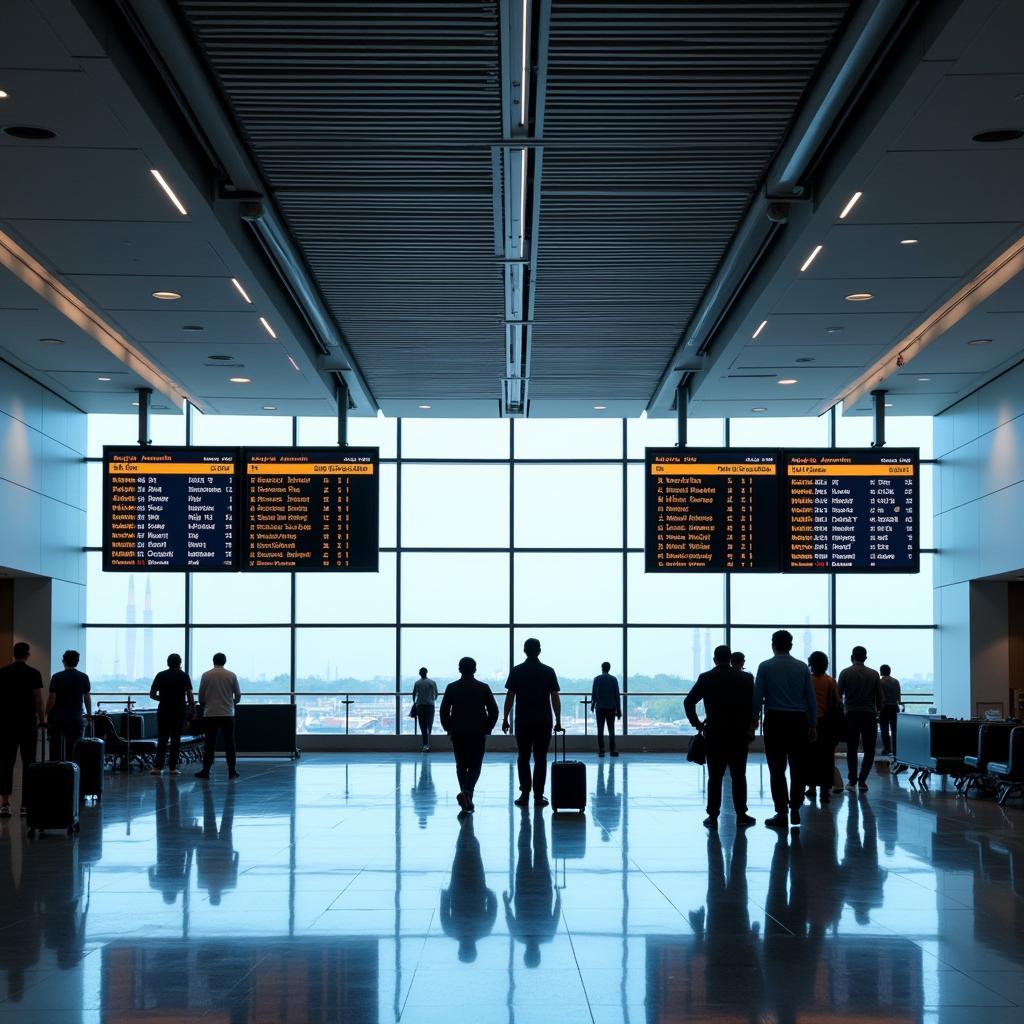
(538, 905)
(64, 904)
(424, 795)
(174, 845)
(216, 857)
(864, 879)
(20, 946)
(607, 804)
(468, 908)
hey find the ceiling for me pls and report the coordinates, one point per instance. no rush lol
(417, 220)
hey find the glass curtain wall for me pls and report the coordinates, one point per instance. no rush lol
(492, 532)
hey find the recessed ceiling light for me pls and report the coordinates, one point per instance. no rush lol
(267, 327)
(789, 380)
(167, 296)
(241, 291)
(834, 330)
(193, 327)
(888, 405)
(30, 132)
(221, 359)
(980, 341)
(859, 297)
(924, 379)
(850, 204)
(103, 378)
(3, 94)
(162, 182)
(999, 135)
(270, 408)
(760, 408)
(52, 341)
(424, 407)
(760, 328)
(295, 365)
(135, 403)
(240, 380)
(600, 408)
(908, 241)
(810, 259)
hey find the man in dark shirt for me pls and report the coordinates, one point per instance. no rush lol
(728, 725)
(171, 689)
(533, 688)
(469, 714)
(21, 700)
(66, 707)
(860, 688)
(738, 660)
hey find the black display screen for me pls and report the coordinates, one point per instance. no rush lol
(169, 509)
(712, 510)
(852, 510)
(313, 509)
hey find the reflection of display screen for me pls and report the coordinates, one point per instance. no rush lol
(851, 510)
(711, 509)
(169, 508)
(311, 508)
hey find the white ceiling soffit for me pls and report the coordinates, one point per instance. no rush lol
(86, 212)
(923, 179)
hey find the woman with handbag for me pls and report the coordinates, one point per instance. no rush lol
(821, 753)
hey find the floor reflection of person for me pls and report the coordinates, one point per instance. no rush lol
(20, 944)
(863, 879)
(532, 914)
(174, 845)
(64, 904)
(468, 908)
(607, 804)
(424, 794)
(216, 857)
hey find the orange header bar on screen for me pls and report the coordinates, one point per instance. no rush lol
(713, 469)
(834, 470)
(170, 468)
(309, 469)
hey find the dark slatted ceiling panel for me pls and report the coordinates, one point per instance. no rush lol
(660, 120)
(372, 123)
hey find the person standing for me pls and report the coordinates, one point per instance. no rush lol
(861, 690)
(469, 714)
(783, 692)
(737, 660)
(21, 695)
(533, 687)
(424, 697)
(821, 759)
(172, 690)
(727, 730)
(607, 704)
(67, 707)
(218, 695)
(892, 705)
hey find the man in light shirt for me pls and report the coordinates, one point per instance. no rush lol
(218, 695)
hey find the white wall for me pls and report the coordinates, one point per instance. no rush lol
(42, 513)
(979, 531)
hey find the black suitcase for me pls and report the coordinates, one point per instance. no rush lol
(50, 796)
(89, 754)
(568, 782)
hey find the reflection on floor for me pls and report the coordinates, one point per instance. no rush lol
(343, 888)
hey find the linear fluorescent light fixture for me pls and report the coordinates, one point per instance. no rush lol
(295, 365)
(267, 327)
(810, 259)
(241, 291)
(522, 69)
(850, 204)
(763, 324)
(162, 182)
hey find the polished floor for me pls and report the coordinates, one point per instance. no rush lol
(343, 888)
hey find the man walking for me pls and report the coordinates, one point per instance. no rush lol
(607, 705)
(21, 698)
(783, 691)
(890, 711)
(67, 706)
(727, 729)
(469, 714)
(218, 695)
(860, 688)
(533, 688)
(424, 697)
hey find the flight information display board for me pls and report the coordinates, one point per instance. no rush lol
(311, 509)
(712, 510)
(169, 509)
(852, 510)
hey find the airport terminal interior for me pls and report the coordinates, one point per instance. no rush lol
(344, 341)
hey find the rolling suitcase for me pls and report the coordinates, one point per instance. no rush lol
(89, 754)
(568, 782)
(51, 795)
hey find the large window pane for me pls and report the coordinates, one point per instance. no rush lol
(756, 644)
(771, 598)
(455, 506)
(576, 656)
(363, 431)
(673, 597)
(900, 432)
(884, 599)
(241, 597)
(241, 430)
(568, 588)
(125, 659)
(467, 588)
(644, 433)
(635, 501)
(455, 439)
(347, 597)
(568, 506)
(142, 597)
(779, 432)
(115, 428)
(261, 658)
(93, 504)
(908, 652)
(573, 439)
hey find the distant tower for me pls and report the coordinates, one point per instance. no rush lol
(707, 647)
(808, 637)
(696, 653)
(129, 618)
(147, 634)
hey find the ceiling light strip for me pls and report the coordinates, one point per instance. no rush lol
(851, 203)
(35, 276)
(979, 289)
(295, 365)
(810, 259)
(760, 328)
(162, 182)
(241, 291)
(267, 327)
(522, 72)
